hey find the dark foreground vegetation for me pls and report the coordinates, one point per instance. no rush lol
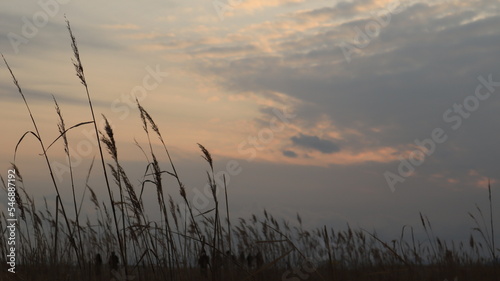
(188, 243)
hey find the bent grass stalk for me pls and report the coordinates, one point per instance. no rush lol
(42, 145)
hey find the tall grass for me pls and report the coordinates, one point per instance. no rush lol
(77, 63)
(259, 247)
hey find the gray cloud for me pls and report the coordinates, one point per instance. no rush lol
(314, 142)
(395, 90)
(224, 50)
(290, 154)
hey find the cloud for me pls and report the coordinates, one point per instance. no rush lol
(315, 143)
(261, 4)
(394, 91)
(224, 51)
(289, 153)
(121, 26)
(388, 78)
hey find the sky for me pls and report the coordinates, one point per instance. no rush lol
(363, 112)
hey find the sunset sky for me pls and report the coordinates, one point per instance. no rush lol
(362, 112)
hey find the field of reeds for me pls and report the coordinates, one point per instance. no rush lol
(123, 243)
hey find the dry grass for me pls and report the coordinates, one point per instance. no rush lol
(54, 246)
